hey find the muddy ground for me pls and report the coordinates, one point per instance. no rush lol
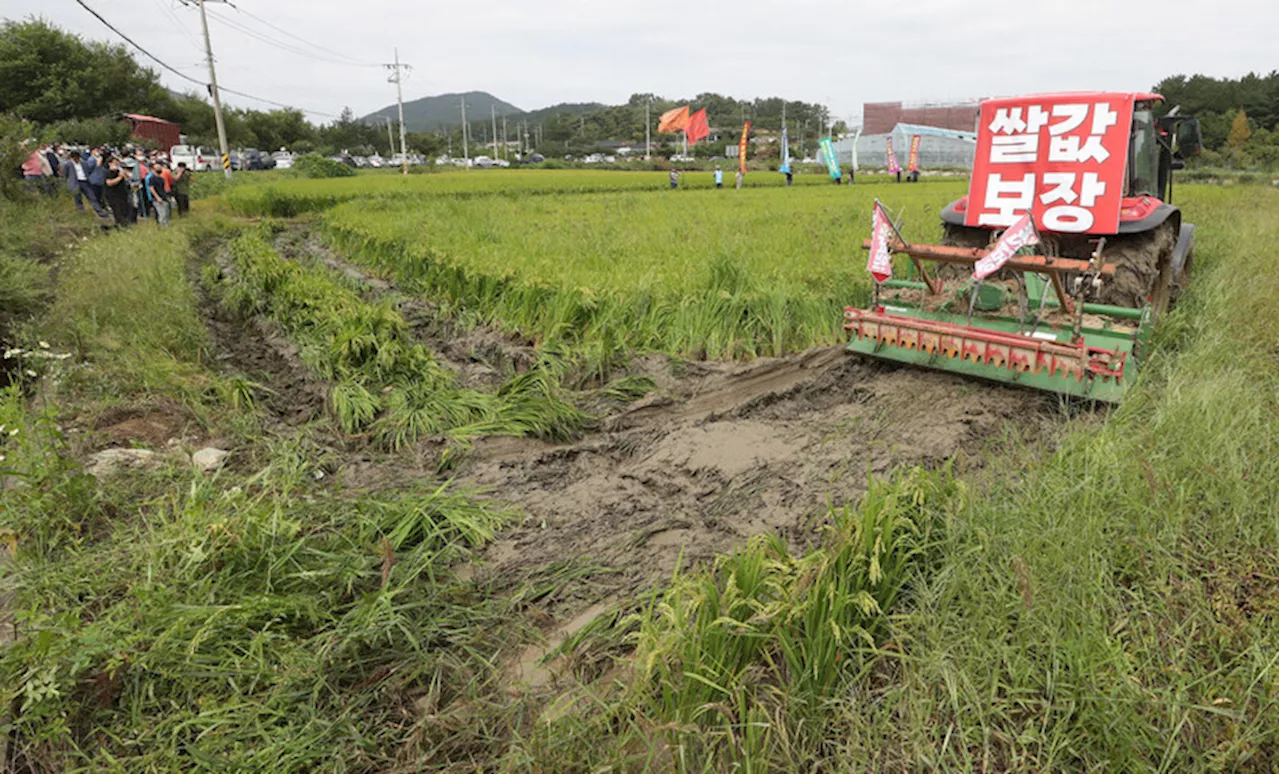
(719, 452)
(726, 451)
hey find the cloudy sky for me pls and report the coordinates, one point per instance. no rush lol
(836, 52)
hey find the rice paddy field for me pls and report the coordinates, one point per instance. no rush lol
(565, 471)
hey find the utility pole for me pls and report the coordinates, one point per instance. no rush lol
(647, 101)
(397, 75)
(493, 116)
(217, 100)
(465, 154)
(391, 141)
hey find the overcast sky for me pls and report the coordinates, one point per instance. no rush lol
(832, 51)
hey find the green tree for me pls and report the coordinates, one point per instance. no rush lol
(1239, 133)
(48, 75)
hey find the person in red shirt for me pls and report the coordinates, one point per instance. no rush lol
(168, 177)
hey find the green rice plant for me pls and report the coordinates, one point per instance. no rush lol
(279, 197)
(383, 381)
(702, 274)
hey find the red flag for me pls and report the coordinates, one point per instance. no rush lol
(879, 262)
(697, 128)
(742, 148)
(674, 120)
(913, 158)
(1015, 237)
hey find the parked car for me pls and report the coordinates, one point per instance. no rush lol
(256, 159)
(376, 161)
(484, 162)
(283, 159)
(197, 158)
(237, 160)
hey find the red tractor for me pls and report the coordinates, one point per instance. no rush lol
(1093, 173)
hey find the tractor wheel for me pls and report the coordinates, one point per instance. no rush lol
(1144, 269)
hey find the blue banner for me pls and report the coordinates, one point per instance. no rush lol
(786, 154)
(833, 166)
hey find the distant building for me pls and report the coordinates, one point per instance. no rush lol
(940, 148)
(164, 134)
(881, 117)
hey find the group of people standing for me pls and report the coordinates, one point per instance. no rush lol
(121, 186)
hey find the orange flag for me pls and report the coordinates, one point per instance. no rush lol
(674, 119)
(697, 128)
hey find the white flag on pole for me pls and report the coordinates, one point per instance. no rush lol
(879, 261)
(1017, 236)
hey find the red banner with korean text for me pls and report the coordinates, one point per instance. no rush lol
(891, 159)
(1060, 157)
(742, 148)
(913, 157)
(879, 261)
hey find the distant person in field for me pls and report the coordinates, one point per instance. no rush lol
(181, 188)
(117, 192)
(739, 177)
(719, 177)
(788, 177)
(850, 175)
(836, 179)
(674, 178)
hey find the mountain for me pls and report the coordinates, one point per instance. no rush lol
(572, 108)
(430, 113)
(421, 115)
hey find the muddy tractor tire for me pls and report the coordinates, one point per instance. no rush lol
(1144, 269)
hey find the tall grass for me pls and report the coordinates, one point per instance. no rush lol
(264, 626)
(382, 380)
(704, 274)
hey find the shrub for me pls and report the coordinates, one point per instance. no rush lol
(310, 165)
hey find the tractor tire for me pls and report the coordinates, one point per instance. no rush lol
(1144, 269)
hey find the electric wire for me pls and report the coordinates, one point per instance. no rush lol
(250, 32)
(285, 32)
(186, 77)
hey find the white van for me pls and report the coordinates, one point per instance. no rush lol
(198, 159)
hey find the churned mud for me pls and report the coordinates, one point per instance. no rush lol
(727, 451)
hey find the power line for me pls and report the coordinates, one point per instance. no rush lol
(186, 77)
(155, 58)
(283, 31)
(245, 30)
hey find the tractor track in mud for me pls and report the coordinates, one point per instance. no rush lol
(735, 450)
(719, 452)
